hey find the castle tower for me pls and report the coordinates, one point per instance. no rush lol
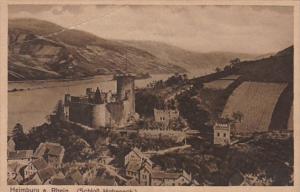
(222, 132)
(125, 89)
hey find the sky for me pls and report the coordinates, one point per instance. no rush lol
(244, 29)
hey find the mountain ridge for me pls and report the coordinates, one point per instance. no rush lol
(55, 52)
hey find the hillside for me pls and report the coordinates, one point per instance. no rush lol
(191, 61)
(34, 54)
(276, 68)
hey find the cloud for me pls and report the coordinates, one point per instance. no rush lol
(251, 29)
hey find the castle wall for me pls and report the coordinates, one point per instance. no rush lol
(100, 116)
(81, 113)
(119, 113)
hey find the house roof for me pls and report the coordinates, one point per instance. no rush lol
(138, 152)
(46, 173)
(165, 175)
(39, 163)
(19, 154)
(104, 181)
(133, 166)
(32, 181)
(12, 182)
(76, 176)
(15, 166)
(132, 182)
(62, 181)
(51, 148)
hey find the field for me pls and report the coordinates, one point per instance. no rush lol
(256, 101)
(218, 84)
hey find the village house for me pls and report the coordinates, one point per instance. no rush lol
(222, 131)
(140, 168)
(20, 156)
(163, 178)
(136, 156)
(76, 176)
(13, 170)
(104, 181)
(34, 166)
(53, 153)
(41, 177)
(46, 174)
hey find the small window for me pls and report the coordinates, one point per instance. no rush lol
(224, 134)
(218, 134)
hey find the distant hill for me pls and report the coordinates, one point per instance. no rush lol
(190, 60)
(34, 54)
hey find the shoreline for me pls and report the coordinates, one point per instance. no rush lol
(50, 83)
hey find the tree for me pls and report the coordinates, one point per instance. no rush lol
(235, 61)
(19, 137)
(237, 116)
(218, 69)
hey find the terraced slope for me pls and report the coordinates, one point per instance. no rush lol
(256, 101)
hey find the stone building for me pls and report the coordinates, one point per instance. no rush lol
(104, 109)
(164, 116)
(222, 131)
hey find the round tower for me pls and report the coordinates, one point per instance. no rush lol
(125, 89)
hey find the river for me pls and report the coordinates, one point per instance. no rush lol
(38, 99)
(31, 106)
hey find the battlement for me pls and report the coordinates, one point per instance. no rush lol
(125, 75)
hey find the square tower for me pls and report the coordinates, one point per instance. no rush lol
(222, 132)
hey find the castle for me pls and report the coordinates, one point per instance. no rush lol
(104, 109)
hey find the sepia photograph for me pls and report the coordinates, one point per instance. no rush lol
(150, 95)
